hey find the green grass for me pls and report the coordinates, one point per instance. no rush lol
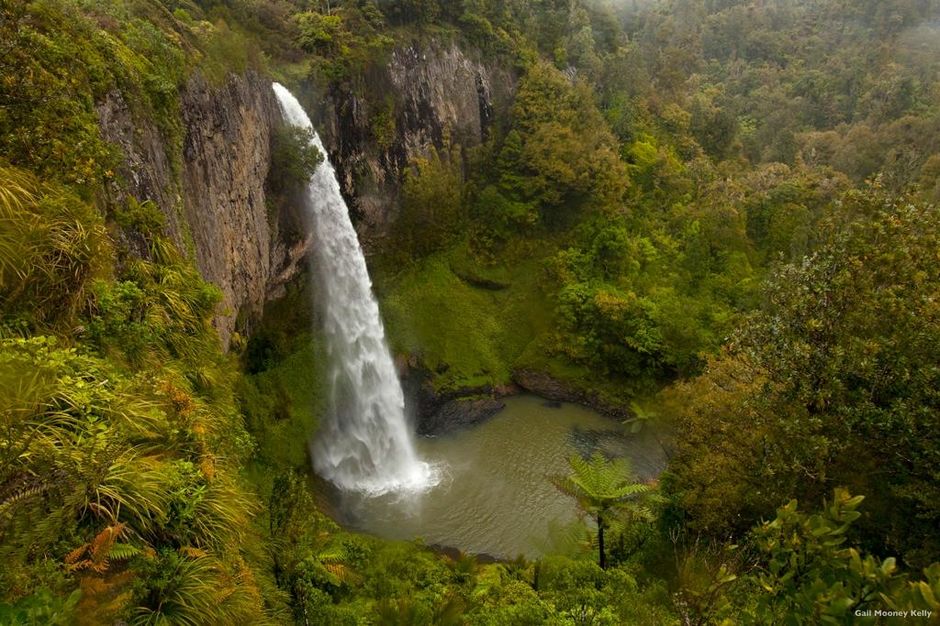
(469, 335)
(285, 387)
(450, 312)
(282, 405)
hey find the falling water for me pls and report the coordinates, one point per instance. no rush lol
(364, 444)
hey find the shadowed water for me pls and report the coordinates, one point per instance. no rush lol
(495, 496)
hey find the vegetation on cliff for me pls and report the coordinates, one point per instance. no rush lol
(122, 442)
(722, 205)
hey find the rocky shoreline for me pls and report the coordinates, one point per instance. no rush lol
(438, 413)
(550, 388)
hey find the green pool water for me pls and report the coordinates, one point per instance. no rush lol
(495, 496)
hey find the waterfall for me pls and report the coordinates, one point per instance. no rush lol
(364, 444)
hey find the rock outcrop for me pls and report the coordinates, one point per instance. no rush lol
(212, 188)
(212, 194)
(457, 414)
(438, 412)
(545, 385)
(425, 97)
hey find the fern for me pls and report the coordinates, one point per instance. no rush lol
(98, 551)
(601, 487)
(6, 506)
(124, 551)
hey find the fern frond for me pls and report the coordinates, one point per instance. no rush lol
(124, 551)
(72, 557)
(597, 482)
(6, 507)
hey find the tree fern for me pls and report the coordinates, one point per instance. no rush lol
(601, 486)
(334, 559)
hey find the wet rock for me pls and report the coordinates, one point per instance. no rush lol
(459, 413)
(439, 412)
(456, 554)
(554, 390)
(431, 95)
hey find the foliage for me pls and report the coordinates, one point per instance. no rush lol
(837, 361)
(294, 158)
(345, 41)
(809, 576)
(644, 306)
(602, 486)
(558, 158)
(59, 136)
(40, 609)
(470, 336)
(659, 161)
(856, 91)
(189, 587)
(52, 247)
(133, 433)
(283, 390)
(432, 205)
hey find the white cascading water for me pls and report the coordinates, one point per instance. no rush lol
(364, 444)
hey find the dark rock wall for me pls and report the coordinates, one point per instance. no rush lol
(437, 93)
(214, 197)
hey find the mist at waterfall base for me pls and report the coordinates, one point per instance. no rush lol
(364, 443)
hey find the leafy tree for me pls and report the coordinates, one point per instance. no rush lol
(785, 207)
(837, 364)
(713, 127)
(294, 158)
(432, 204)
(559, 158)
(320, 33)
(344, 41)
(809, 574)
(419, 11)
(602, 488)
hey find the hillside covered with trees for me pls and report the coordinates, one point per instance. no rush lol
(720, 217)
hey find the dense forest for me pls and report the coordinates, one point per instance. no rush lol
(718, 216)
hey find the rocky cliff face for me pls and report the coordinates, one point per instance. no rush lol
(423, 97)
(212, 188)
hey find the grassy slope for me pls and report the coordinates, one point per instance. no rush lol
(471, 336)
(285, 389)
